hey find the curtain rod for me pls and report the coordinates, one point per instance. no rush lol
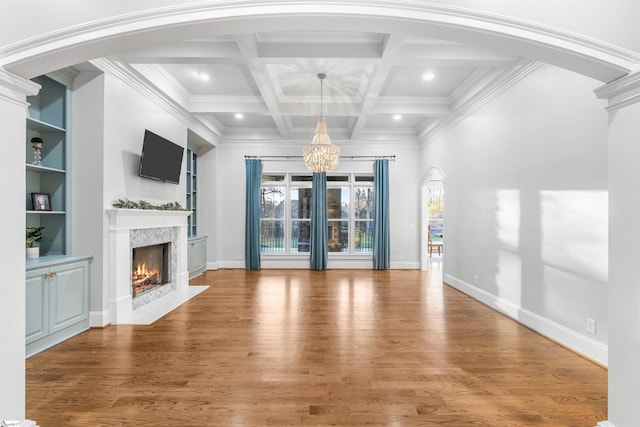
(392, 158)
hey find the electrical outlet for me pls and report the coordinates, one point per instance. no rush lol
(591, 326)
(475, 279)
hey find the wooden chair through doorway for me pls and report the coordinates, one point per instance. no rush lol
(434, 245)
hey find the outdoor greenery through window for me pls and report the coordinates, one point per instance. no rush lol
(285, 215)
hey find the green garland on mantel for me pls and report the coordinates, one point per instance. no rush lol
(142, 204)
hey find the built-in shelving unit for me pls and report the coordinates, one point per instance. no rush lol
(48, 119)
(57, 283)
(192, 192)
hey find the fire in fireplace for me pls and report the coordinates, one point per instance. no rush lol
(150, 267)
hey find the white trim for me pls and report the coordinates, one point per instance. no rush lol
(18, 84)
(605, 424)
(139, 83)
(496, 87)
(579, 343)
(620, 93)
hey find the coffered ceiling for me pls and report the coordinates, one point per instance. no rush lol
(378, 86)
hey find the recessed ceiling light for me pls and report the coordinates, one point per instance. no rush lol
(203, 76)
(397, 117)
(428, 76)
(239, 116)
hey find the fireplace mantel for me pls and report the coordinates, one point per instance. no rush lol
(145, 218)
(125, 227)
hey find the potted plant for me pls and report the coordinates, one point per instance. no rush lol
(33, 237)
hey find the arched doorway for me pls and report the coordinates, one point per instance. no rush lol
(432, 220)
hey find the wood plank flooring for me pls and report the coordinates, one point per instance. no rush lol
(309, 348)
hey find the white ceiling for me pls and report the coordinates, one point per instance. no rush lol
(271, 79)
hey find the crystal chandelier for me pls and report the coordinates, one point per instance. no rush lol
(321, 155)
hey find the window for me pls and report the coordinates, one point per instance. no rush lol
(285, 218)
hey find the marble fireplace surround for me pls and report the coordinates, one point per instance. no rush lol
(129, 228)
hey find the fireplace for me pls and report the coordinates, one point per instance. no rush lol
(150, 268)
(129, 230)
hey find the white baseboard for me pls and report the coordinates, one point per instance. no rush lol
(579, 343)
(605, 424)
(274, 262)
(99, 319)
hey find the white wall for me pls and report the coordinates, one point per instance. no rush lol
(87, 172)
(526, 206)
(624, 295)
(12, 252)
(127, 115)
(404, 183)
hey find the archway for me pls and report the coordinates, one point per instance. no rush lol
(92, 32)
(39, 53)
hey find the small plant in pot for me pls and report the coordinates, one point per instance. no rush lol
(33, 237)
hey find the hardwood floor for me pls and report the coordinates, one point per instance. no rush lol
(309, 348)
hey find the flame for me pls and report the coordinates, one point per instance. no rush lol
(143, 271)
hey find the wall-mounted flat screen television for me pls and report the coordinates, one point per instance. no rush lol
(161, 159)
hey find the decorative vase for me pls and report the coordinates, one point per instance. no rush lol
(36, 143)
(33, 252)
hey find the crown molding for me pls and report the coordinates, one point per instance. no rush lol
(497, 86)
(620, 93)
(18, 84)
(160, 74)
(137, 81)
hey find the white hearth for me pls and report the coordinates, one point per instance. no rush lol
(131, 228)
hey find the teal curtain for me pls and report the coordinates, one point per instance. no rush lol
(252, 215)
(381, 216)
(319, 223)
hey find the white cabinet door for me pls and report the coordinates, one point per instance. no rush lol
(69, 295)
(37, 304)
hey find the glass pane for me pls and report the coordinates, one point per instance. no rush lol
(338, 236)
(300, 236)
(267, 178)
(338, 178)
(305, 178)
(272, 202)
(338, 203)
(300, 203)
(436, 218)
(363, 236)
(271, 236)
(368, 178)
(363, 202)
(194, 166)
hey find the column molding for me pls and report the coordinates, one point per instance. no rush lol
(14, 88)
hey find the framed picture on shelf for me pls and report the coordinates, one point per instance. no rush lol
(41, 201)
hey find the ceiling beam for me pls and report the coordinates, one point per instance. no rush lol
(248, 46)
